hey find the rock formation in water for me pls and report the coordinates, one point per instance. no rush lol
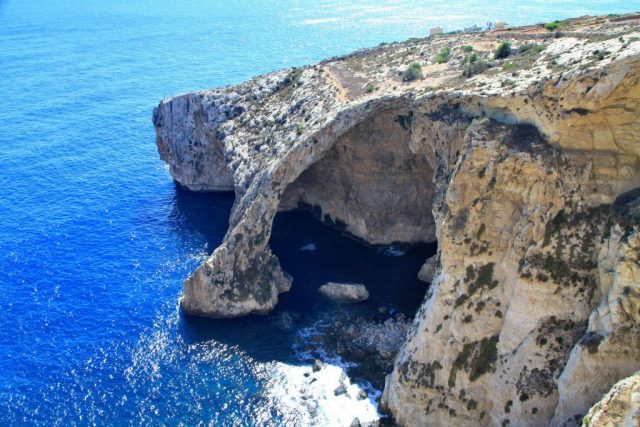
(525, 169)
(344, 292)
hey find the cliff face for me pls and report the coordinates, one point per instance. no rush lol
(524, 172)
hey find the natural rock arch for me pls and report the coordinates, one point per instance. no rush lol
(371, 183)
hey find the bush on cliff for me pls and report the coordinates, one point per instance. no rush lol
(443, 56)
(503, 51)
(474, 68)
(552, 26)
(470, 59)
(413, 72)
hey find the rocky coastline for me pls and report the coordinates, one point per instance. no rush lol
(518, 151)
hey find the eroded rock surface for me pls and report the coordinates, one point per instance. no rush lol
(619, 407)
(524, 169)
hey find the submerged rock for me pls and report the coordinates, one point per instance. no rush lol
(344, 292)
(368, 341)
(309, 247)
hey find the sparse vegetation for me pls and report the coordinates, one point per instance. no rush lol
(554, 226)
(470, 59)
(443, 56)
(477, 358)
(299, 129)
(509, 66)
(467, 48)
(293, 77)
(591, 341)
(370, 87)
(531, 47)
(413, 72)
(503, 51)
(474, 68)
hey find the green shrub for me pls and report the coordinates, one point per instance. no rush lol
(413, 72)
(467, 48)
(509, 66)
(474, 68)
(470, 59)
(293, 77)
(503, 51)
(444, 55)
(300, 129)
(552, 26)
(370, 87)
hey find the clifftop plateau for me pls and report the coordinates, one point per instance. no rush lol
(518, 151)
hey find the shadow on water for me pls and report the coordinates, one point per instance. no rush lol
(206, 214)
(313, 254)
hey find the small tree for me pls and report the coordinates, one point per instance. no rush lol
(413, 72)
(503, 51)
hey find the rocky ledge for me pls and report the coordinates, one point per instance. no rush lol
(521, 159)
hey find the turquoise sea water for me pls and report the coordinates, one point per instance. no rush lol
(95, 239)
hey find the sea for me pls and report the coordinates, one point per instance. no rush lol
(96, 238)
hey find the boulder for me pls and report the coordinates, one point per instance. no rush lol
(340, 390)
(428, 270)
(344, 292)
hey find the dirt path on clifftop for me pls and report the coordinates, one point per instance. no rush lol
(343, 93)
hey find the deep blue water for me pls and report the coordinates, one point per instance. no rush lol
(95, 239)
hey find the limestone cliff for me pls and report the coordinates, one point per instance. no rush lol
(523, 168)
(619, 407)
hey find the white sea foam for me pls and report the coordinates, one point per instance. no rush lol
(392, 250)
(310, 400)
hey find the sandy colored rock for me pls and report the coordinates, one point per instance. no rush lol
(428, 270)
(619, 407)
(344, 292)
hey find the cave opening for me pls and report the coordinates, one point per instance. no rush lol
(370, 183)
(376, 195)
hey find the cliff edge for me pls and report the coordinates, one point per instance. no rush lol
(521, 159)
